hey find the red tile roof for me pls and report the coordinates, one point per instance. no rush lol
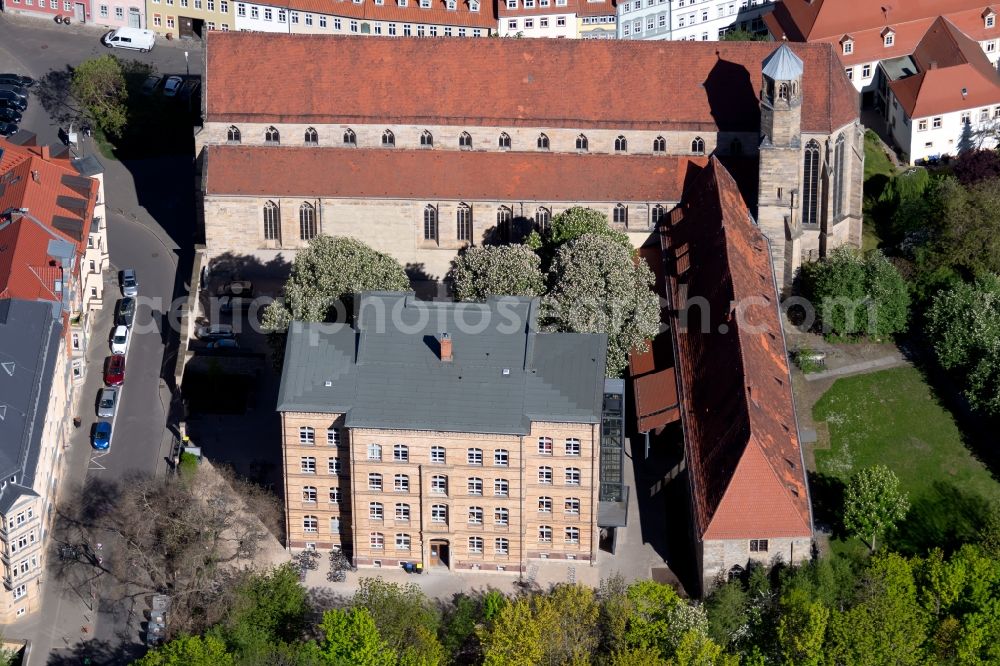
(282, 171)
(699, 86)
(600, 8)
(954, 75)
(58, 197)
(829, 21)
(437, 14)
(741, 438)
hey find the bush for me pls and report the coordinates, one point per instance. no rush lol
(188, 465)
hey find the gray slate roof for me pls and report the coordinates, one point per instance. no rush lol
(29, 344)
(386, 372)
(783, 65)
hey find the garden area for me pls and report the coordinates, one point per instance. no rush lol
(896, 419)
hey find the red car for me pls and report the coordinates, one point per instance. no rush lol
(114, 370)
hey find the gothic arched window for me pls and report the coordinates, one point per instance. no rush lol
(698, 146)
(838, 177)
(810, 184)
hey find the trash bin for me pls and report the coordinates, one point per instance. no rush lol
(408, 567)
(419, 568)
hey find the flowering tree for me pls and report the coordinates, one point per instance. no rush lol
(331, 270)
(504, 270)
(873, 503)
(597, 287)
(577, 221)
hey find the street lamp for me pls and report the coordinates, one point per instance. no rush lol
(187, 65)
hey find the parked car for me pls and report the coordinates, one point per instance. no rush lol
(13, 100)
(135, 39)
(238, 303)
(188, 89)
(120, 339)
(125, 312)
(9, 115)
(242, 288)
(114, 370)
(20, 91)
(17, 80)
(6, 129)
(151, 83)
(107, 404)
(224, 343)
(172, 85)
(130, 282)
(215, 332)
(101, 435)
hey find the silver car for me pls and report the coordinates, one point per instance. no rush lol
(107, 403)
(130, 282)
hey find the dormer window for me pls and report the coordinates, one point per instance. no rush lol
(473, 6)
(450, 5)
(888, 37)
(847, 44)
(511, 4)
(425, 4)
(401, 3)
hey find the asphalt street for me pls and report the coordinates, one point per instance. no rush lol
(150, 228)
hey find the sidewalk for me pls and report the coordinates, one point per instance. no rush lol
(60, 622)
(35, 21)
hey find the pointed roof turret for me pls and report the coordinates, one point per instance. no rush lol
(783, 65)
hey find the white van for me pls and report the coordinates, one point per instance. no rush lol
(130, 38)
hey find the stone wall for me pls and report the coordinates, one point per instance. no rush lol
(716, 559)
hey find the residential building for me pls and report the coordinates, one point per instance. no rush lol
(390, 18)
(691, 20)
(942, 99)
(78, 11)
(35, 404)
(596, 19)
(865, 34)
(747, 477)
(55, 240)
(411, 436)
(537, 18)
(118, 13)
(189, 19)
(283, 157)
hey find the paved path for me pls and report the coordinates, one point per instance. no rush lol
(874, 365)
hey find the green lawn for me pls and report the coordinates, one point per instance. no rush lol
(894, 418)
(876, 161)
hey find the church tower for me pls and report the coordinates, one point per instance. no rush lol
(780, 157)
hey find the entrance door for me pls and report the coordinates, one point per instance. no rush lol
(186, 27)
(439, 553)
(80, 12)
(133, 18)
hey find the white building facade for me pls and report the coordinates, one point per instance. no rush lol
(537, 18)
(689, 19)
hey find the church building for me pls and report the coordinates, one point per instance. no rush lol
(421, 147)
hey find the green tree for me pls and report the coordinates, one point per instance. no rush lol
(189, 651)
(578, 221)
(873, 503)
(728, 613)
(458, 629)
(328, 272)
(597, 287)
(637, 657)
(801, 629)
(99, 85)
(963, 324)
(857, 295)
(649, 622)
(742, 36)
(514, 637)
(351, 638)
(493, 602)
(567, 617)
(616, 610)
(886, 625)
(482, 271)
(405, 618)
(268, 609)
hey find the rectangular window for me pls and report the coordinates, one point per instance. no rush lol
(334, 495)
(501, 457)
(984, 115)
(848, 47)
(333, 437)
(501, 488)
(268, 13)
(333, 465)
(529, 23)
(936, 123)
(543, 23)
(474, 456)
(197, 4)
(991, 46)
(103, 11)
(545, 446)
(403, 512)
(758, 545)
(966, 117)
(560, 20)
(307, 435)
(401, 453)
(354, 26)
(224, 7)
(241, 9)
(401, 483)
(307, 465)
(512, 24)
(850, 72)
(254, 10)
(322, 22)
(572, 446)
(20, 591)
(866, 71)
(991, 20)
(210, 5)
(921, 125)
(437, 454)
(309, 19)
(375, 482)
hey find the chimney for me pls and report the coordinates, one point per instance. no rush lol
(46, 152)
(34, 176)
(965, 93)
(446, 354)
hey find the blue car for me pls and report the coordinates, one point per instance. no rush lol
(102, 435)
